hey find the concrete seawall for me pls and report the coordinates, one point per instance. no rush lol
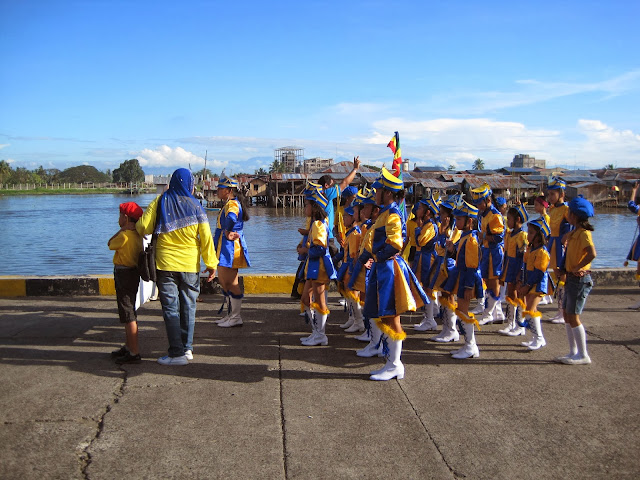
(20, 286)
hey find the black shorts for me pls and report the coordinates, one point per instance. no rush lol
(127, 280)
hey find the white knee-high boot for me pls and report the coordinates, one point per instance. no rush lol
(581, 357)
(470, 348)
(234, 320)
(449, 327)
(490, 305)
(319, 338)
(351, 318)
(309, 315)
(374, 347)
(225, 303)
(428, 321)
(358, 320)
(538, 338)
(481, 304)
(394, 367)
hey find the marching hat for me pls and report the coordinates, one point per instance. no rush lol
(431, 204)
(349, 191)
(311, 187)
(350, 211)
(522, 212)
(501, 201)
(318, 198)
(556, 184)
(227, 182)
(463, 209)
(541, 223)
(480, 193)
(389, 181)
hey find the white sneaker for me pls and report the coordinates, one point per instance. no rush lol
(188, 354)
(232, 322)
(221, 320)
(167, 360)
(576, 360)
(557, 318)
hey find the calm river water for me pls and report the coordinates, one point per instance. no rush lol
(67, 235)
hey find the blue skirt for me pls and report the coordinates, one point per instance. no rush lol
(512, 270)
(491, 261)
(634, 253)
(392, 289)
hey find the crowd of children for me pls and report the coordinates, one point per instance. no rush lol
(457, 251)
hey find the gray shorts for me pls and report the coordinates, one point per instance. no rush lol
(576, 290)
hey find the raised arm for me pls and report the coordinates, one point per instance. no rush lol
(349, 178)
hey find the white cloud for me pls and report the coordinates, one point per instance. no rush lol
(605, 144)
(165, 156)
(3, 145)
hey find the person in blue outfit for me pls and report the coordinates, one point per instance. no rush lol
(491, 230)
(425, 235)
(231, 247)
(634, 252)
(331, 192)
(536, 281)
(319, 270)
(464, 281)
(393, 288)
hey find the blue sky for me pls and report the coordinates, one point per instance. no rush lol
(99, 82)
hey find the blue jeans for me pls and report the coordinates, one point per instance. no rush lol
(178, 292)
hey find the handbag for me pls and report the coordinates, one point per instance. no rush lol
(147, 259)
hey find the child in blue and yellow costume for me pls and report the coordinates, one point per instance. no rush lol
(362, 268)
(491, 230)
(318, 269)
(536, 281)
(425, 235)
(299, 280)
(444, 263)
(559, 226)
(231, 247)
(634, 252)
(512, 272)
(352, 238)
(464, 280)
(393, 288)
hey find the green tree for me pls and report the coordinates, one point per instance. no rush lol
(276, 167)
(5, 171)
(373, 167)
(82, 174)
(452, 168)
(478, 164)
(129, 171)
(22, 175)
(261, 171)
(610, 166)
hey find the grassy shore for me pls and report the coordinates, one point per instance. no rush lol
(71, 191)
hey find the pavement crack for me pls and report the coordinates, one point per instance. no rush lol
(435, 444)
(85, 454)
(610, 342)
(283, 426)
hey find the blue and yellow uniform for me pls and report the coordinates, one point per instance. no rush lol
(491, 223)
(231, 253)
(359, 274)
(393, 288)
(537, 262)
(634, 252)
(465, 274)
(559, 225)
(319, 266)
(425, 240)
(515, 246)
(351, 248)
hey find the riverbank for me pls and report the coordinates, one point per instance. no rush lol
(72, 191)
(254, 403)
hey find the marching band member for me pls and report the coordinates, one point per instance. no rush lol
(393, 288)
(634, 252)
(231, 247)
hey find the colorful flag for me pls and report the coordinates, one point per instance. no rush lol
(394, 145)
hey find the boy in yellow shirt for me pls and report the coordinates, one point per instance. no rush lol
(127, 244)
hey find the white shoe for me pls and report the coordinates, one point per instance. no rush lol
(221, 320)
(348, 323)
(635, 306)
(232, 322)
(479, 308)
(342, 301)
(370, 350)
(498, 314)
(356, 327)
(167, 360)
(576, 359)
(365, 337)
(314, 340)
(188, 354)
(516, 331)
(468, 351)
(426, 324)
(537, 343)
(394, 367)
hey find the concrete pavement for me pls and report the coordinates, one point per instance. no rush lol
(254, 403)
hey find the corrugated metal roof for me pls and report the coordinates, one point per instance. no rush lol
(343, 167)
(289, 176)
(580, 178)
(486, 171)
(519, 170)
(437, 184)
(585, 184)
(498, 182)
(419, 169)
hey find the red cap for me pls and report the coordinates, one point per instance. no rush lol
(131, 209)
(542, 201)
